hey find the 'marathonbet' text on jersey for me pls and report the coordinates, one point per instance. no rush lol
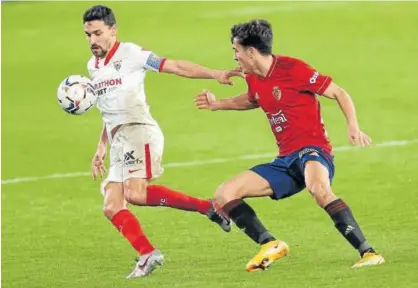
(119, 81)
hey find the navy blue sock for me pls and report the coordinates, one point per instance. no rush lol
(345, 223)
(246, 219)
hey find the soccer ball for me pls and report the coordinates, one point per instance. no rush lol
(76, 94)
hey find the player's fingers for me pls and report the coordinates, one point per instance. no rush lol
(352, 139)
(203, 106)
(201, 102)
(93, 172)
(237, 72)
(99, 169)
(356, 141)
(203, 93)
(102, 170)
(227, 82)
(362, 141)
(200, 98)
(367, 140)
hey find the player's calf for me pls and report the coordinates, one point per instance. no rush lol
(113, 199)
(115, 209)
(317, 179)
(229, 196)
(137, 192)
(345, 223)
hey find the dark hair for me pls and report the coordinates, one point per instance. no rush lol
(254, 33)
(100, 12)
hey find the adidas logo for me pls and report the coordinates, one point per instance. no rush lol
(348, 230)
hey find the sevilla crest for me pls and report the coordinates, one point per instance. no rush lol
(117, 65)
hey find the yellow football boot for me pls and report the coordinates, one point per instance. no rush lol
(270, 252)
(369, 259)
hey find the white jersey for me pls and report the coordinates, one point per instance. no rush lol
(119, 82)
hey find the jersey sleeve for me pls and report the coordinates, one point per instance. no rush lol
(309, 79)
(147, 59)
(251, 93)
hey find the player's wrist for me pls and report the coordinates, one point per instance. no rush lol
(215, 106)
(352, 124)
(101, 146)
(214, 74)
(218, 104)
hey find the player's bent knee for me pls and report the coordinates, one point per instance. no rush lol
(321, 192)
(111, 209)
(135, 191)
(226, 192)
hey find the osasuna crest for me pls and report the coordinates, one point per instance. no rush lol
(117, 65)
(277, 93)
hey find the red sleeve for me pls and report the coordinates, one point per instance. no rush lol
(308, 79)
(250, 83)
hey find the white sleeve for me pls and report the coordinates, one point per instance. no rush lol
(147, 59)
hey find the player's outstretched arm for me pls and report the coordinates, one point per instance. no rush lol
(206, 100)
(355, 135)
(97, 163)
(192, 70)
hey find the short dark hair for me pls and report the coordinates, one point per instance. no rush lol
(254, 33)
(100, 12)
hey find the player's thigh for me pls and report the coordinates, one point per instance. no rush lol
(135, 190)
(115, 170)
(278, 176)
(318, 173)
(246, 184)
(114, 199)
(143, 147)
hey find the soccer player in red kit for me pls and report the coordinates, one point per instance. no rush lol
(285, 88)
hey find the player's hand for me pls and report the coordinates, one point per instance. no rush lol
(97, 163)
(358, 137)
(223, 76)
(205, 100)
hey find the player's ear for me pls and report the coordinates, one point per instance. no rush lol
(114, 30)
(251, 52)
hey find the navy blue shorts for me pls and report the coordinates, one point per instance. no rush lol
(286, 174)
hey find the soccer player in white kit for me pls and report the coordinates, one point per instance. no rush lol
(136, 142)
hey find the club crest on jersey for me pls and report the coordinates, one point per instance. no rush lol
(277, 93)
(117, 65)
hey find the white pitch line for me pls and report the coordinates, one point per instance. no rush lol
(204, 162)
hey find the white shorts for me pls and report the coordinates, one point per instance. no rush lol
(136, 151)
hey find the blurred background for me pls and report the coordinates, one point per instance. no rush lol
(53, 231)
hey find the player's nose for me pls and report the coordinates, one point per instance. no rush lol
(93, 39)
